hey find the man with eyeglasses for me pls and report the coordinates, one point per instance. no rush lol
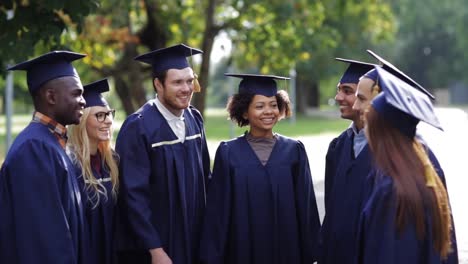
(164, 167)
(41, 214)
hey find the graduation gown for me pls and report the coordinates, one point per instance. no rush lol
(378, 238)
(162, 193)
(346, 195)
(260, 213)
(99, 220)
(41, 215)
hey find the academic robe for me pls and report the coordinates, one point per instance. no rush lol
(346, 194)
(378, 239)
(162, 184)
(260, 213)
(41, 215)
(99, 220)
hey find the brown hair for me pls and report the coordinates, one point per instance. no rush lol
(406, 161)
(238, 104)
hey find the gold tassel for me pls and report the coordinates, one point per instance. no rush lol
(433, 181)
(196, 84)
(429, 172)
(375, 90)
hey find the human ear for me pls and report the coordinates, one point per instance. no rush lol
(50, 96)
(158, 86)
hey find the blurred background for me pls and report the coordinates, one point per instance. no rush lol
(297, 38)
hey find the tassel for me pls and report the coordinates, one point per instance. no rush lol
(430, 177)
(433, 181)
(196, 84)
(375, 90)
(429, 172)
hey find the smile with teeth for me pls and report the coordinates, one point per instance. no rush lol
(268, 119)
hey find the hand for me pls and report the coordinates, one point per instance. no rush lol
(159, 256)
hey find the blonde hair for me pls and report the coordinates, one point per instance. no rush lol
(78, 150)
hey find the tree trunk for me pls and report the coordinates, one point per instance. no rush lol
(307, 93)
(199, 100)
(129, 80)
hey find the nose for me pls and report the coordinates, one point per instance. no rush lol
(109, 119)
(339, 96)
(187, 87)
(356, 106)
(82, 101)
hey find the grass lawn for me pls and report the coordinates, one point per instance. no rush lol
(216, 125)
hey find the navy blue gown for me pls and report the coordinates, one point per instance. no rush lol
(162, 194)
(260, 213)
(99, 218)
(378, 239)
(345, 180)
(41, 215)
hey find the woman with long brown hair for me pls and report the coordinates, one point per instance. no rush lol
(407, 218)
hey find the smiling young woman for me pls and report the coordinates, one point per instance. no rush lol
(89, 147)
(261, 193)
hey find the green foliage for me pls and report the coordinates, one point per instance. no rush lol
(24, 24)
(432, 41)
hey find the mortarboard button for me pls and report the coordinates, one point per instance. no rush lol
(257, 84)
(47, 67)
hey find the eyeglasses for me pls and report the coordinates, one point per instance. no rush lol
(101, 116)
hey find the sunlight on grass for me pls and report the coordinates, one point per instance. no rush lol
(217, 126)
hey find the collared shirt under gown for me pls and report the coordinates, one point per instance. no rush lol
(41, 215)
(162, 184)
(260, 213)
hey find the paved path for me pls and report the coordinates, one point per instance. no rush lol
(447, 145)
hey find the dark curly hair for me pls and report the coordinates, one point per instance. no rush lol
(238, 104)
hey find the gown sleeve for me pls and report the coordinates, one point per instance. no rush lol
(330, 170)
(218, 210)
(31, 191)
(307, 212)
(135, 172)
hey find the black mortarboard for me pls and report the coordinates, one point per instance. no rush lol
(403, 105)
(174, 57)
(397, 72)
(355, 70)
(47, 67)
(92, 93)
(257, 84)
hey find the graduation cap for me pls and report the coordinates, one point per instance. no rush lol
(355, 70)
(47, 67)
(403, 105)
(257, 84)
(397, 72)
(92, 93)
(372, 74)
(174, 57)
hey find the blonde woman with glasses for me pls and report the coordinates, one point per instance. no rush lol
(89, 147)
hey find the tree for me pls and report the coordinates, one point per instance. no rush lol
(30, 27)
(432, 47)
(268, 37)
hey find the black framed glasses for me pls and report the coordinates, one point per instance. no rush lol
(101, 116)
